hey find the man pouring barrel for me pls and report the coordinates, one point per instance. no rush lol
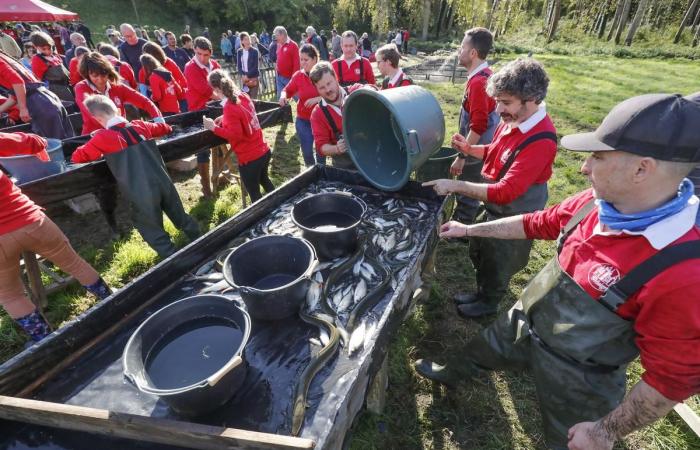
(517, 165)
(625, 282)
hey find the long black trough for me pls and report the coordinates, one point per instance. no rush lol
(278, 352)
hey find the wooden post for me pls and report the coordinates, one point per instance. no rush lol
(37, 294)
(686, 16)
(142, 428)
(376, 392)
(636, 22)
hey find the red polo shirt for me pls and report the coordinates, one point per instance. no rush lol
(172, 68)
(120, 94)
(665, 312)
(198, 89)
(75, 76)
(39, 66)
(301, 85)
(351, 73)
(165, 91)
(321, 129)
(533, 165)
(477, 102)
(110, 141)
(287, 58)
(241, 128)
(16, 209)
(125, 71)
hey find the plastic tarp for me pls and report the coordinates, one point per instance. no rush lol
(277, 352)
(33, 11)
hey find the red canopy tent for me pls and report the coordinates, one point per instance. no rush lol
(33, 11)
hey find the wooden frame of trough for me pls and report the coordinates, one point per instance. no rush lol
(24, 374)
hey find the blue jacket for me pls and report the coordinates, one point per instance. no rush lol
(253, 56)
(226, 47)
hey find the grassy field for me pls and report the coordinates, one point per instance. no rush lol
(499, 415)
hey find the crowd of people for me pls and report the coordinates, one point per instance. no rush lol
(624, 272)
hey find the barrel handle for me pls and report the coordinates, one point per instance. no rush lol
(235, 362)
(414, 149)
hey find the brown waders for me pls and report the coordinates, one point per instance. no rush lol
(577, 347)
(143, 179)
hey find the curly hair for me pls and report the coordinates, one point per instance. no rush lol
(219, 79)
(524, 78)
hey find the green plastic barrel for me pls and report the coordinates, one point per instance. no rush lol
(437, 166)
(391, 133)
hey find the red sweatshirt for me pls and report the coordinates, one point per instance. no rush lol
(351, 74)
(13, 112)
(75, 76)
(39, 67)
(10, 73)
(241, 128)
(110, 141)
(171, 67)
(665, 312)
(321, 129)
(119, 94)
(287, 58)
(477, 102)
(16, 209)
(198, 90)
(13, 144)
(301, 85)
(125, 71)
(165, 91)
(533, 165)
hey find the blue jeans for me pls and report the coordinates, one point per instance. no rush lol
(281, 83)
(306, 138)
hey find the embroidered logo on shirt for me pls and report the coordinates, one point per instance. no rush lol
(357, 71)
(602, 276)
(505, 155)
(117, 101)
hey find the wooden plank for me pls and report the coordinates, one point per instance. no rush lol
(142, 428)
(689, 416)
(38, 293)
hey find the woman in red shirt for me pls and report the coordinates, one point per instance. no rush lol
(240, 127)
(101, 78)
(301, 87)
(25, 228)
(165, 90)
(47, 65)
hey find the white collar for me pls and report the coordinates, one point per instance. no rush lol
(116, 120)
(481, 67)
(350, 62)
(534, 119)
(208, 68)
(97, 91)
(396, 77)
(666, 231)
(343, 94)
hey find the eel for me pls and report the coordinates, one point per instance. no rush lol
(371, 298)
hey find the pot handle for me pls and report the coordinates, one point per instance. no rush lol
(216, 377)
(414, 149)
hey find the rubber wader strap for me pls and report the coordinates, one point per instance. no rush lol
(618, 293)
(385, 83)
(534, 138)
(573, 223)
(129, 134)
(340, 71)
(331, 122)
(362, 71)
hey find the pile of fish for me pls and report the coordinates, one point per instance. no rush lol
(179, 132)
(343, 291)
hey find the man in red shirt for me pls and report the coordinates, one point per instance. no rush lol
(517, 165)
(388, 64)
(287, 58)
(327, 116)
(198, 94)
(352, 68)
(477, 117)
(625, 283)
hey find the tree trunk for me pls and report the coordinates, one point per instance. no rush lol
(616, 18)
(555, 21)
(492, 12)
(136, 11)
(426, 19)
(450, 19)
(439, 19)
(696, 38)
(623, 21)
(686, 16)
(641, 9)
(696, 21)
(603, 20)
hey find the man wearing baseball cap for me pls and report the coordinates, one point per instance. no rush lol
(625, 282)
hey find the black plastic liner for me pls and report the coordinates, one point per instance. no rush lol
(277, 352)
(95, 177)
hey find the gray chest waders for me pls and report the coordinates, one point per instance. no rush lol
(143, 179)
(576, 346)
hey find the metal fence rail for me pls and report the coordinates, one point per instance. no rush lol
(268, 86)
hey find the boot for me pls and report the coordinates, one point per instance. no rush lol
(34, 325)
(204, 177)
(450, 374)
(99, 289)
(464, 298)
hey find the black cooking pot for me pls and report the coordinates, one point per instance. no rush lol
(190, 353)
(272, 274)
(330, 221)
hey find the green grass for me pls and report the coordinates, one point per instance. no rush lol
(502, 413)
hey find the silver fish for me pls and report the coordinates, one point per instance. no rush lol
(360, 291)
(368, 271)
(215, 276)
(403, 256)
(357, 339)
(216, 287)
(345, 302)
(324, 337)
(357, 266)
(313, 295)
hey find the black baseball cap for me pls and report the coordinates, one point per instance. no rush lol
(661, 126)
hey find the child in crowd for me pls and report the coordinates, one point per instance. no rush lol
(166, 92)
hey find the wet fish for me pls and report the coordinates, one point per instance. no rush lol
(208, 267)
(358, 265)
(313, 295)
(214, 276)
(360, 291)
(357, 339)
(216, 287)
